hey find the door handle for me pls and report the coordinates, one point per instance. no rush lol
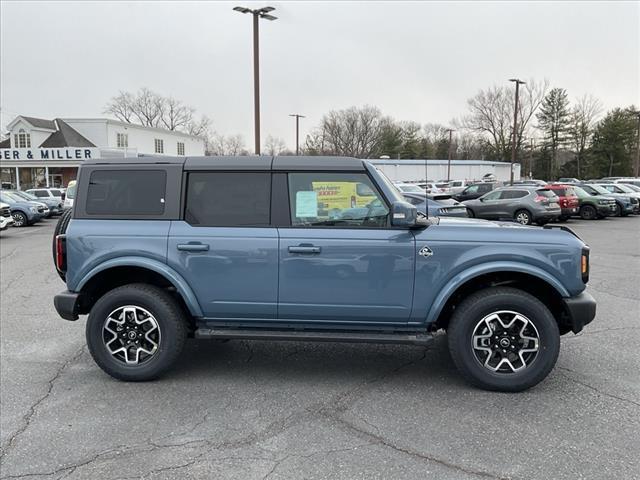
(193, 247)
(304, 249)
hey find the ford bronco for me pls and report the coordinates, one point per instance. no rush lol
(156, 250)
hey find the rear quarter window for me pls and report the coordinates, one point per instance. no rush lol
(126, 192)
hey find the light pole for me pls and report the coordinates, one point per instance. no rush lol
(449, 162)
(257, 15)
(637, 169)
(298, 117)
(518, 82)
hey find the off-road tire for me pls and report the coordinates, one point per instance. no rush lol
(588, 212)
(167, 313)
(482, 303)
(61, 228)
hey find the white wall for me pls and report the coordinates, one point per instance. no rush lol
(412, 172)
(37, 135)
(144, 139)
(94, 130)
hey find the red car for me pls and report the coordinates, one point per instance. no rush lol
(569, 203)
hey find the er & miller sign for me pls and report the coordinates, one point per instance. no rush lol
(66, 153)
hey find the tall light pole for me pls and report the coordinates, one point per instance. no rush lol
(257, 15)
(518, 82)
(298, 117)
(449, 162)
(637, 169)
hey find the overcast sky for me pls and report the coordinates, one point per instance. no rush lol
(416, 61)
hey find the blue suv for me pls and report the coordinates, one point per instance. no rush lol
(309, 249)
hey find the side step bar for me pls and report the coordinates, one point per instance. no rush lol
(420, 339)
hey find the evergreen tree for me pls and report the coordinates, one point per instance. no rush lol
(553, 120)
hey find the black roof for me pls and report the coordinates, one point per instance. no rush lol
(263, 162)
(65, 136)
(5, 143)
(40, 122)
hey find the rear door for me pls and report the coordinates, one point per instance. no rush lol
(225, 246)
(340, 263)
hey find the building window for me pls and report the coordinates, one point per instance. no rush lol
(180, 148)
(22, 139)
(122, 140)
(159, 145)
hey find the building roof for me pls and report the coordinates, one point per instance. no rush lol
(5, 143)
(39, 122)
(65, 136)
(133, 125)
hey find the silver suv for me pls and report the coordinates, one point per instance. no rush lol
(524, 204)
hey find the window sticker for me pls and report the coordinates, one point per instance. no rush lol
(306, 204)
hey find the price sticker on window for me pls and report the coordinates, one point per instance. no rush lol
(306, 204)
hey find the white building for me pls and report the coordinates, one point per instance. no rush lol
(41, 152)
(419, 170)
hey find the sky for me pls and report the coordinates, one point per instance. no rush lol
(416, 61)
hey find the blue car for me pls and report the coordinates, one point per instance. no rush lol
(161, 249)
(24, 212)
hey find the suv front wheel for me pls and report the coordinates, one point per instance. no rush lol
(136, 332)
(503, 339)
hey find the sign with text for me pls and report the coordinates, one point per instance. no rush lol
(65, 153)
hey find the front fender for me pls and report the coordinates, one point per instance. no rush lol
(167, 272)
(492, 267)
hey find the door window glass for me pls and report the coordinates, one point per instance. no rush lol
(228, 199)
(335, 199)
(492, 195)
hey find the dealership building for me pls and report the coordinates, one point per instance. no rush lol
(39, 152)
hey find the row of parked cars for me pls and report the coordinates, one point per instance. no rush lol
(22, 208)
(529, 201)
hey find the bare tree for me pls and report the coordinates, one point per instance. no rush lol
(582, 122)
(199, 128)
(121, 107)
(491, 115)
(218, 144)
(274, 145)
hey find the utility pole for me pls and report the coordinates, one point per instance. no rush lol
(449, 162)
(531, 147)
(298, 117)
(637, 169)
(257, 15)
(518, 82)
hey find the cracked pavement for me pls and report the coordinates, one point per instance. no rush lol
(259, 410)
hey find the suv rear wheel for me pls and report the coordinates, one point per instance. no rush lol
(587, 212)
(503, 339)
(523, 217)
(136, 332)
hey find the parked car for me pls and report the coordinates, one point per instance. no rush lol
(53, 203)
(591, 207)
(6, 220)
(621, 189)
(630, 181)
(24, 212)
(523, 203)
(476, 190)
(624, 204)
(534, 182)
(504, 293)
(568, 200)
(457, 186)
(46, 193)
(70, 194)
(439, 205)
(430, 187)
(568, 180)
(409, 187)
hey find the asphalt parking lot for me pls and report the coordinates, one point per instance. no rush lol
(253, 410)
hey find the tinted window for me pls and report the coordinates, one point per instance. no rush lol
(41, 193)
(472, 189)
(126, 192)
(510, 194)
(55, 192)
(485, 187)
(546, 193)
(335, 199)
(228, 199)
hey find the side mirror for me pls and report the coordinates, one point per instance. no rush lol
(403, 214)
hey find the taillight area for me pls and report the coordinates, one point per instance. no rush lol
(584, 264)
(61, 253)
(541, 199)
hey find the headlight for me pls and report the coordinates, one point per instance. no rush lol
(33, 209)
(603, 202)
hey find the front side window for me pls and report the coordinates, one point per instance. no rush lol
(159, 145)
(22, 139)
(336, 199)
(122, 140)
(228, 199)
(126, 192)
(493, 195)
(180, 148)
(41, 193)
(472, 189)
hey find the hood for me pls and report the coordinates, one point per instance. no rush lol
(477, 222)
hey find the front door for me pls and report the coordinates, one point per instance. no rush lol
(225, 247)
(340, 261)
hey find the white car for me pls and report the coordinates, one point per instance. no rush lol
(70, 194)
(409, 188)
(5, 216)
(456, 186)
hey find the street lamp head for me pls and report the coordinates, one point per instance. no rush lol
(266, 16)
(266, 9)
(517, 80)
(243, 9)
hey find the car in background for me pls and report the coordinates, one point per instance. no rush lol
(439, 205)
(633, 187)
(476, 190)
(624, 203)
(457, 186)
(24, 212)
(70, 194)
(430, 187)
(591, 207)
(46, 193)
(53, 203)
(5, 216)
(568, 180)
(522, 203)
(409, 187)
(622, 189)
(532, 181)
(569, 202)
(629, 181)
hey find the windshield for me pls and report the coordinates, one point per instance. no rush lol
(600, 190)
(25, 195)
(580, 192)
(11, 198)
(624, 188)
(632, 187)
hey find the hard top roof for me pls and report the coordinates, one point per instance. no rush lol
(262, 162)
